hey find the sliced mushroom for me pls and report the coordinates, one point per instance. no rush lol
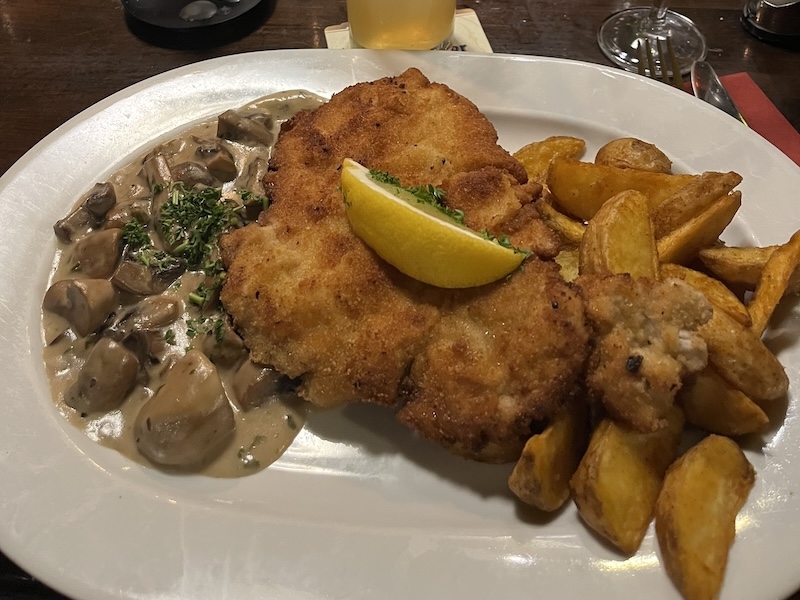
(149, 347)
(159, 176)
(156, 169)
(100, 200)
(85, 303)
(217, 159)
(255, 385)
(123, 213)
(246, 130)
(98, 253)
(136, 278)
(223, 346)
(153, 312)
(74, 224)
(189, 420)
(192, 173)
(90, 212)
(156, 312)
(106, 379)
(253, 178)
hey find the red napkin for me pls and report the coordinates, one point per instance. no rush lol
(761, 114)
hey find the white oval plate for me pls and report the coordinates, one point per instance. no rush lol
(357, 508)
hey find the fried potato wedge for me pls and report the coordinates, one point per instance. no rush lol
(742, 267)
(568, 261)
(618, 480)
(619, 239)
(581, 188)
(710, 403)
(537, 156)
(742, 359)
(692, 199)
(696, 514)
(570, 230)
(542, 473)
(683, 244)
(773, 283)
(633, 153)
(717, 293)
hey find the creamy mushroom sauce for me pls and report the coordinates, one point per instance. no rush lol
(160, 327)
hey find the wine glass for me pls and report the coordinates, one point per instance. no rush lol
(621, 33)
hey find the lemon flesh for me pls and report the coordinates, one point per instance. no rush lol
(417, 238)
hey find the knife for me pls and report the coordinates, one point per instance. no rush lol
(707, 86)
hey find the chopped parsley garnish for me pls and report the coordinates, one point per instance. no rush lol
(205, 325)
(191, 222)
(158, 260)
(251, 198)
(425, 194)
(141, 249)
(433, 196)
(505, 242)
(135, 234)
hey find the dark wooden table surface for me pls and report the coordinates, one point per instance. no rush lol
(58, 58)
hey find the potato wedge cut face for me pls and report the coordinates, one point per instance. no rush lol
(692, 200)
(683, 244)
(541, 476)
(581, 188)
(570, 230)
(618, 480)
(537, 156)
(619, 239)
(712, 404)
(773, 283)
(696, 512)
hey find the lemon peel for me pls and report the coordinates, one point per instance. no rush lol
(418, 238)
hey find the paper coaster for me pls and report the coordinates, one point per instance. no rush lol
(468, 34)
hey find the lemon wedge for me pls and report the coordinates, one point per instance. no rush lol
(417, 237)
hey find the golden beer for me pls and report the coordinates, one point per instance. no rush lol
(404, 25)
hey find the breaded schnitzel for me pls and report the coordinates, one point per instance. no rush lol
(475, 367)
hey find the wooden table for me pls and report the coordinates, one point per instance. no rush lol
(58, 58)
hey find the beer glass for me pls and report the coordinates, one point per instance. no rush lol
(406, 25)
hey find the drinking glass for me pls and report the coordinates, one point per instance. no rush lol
(621, 33)
(406, 25)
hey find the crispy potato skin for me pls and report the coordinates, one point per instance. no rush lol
(742, 359)
(741, 267)
(696, 512)
(683, 244)
(773, 283)
(692, 199)
(633, 153)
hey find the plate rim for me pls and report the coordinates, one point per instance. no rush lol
(376, 61)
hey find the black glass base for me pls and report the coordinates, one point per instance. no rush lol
(195, 23)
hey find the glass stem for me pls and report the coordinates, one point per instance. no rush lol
(653, 24)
